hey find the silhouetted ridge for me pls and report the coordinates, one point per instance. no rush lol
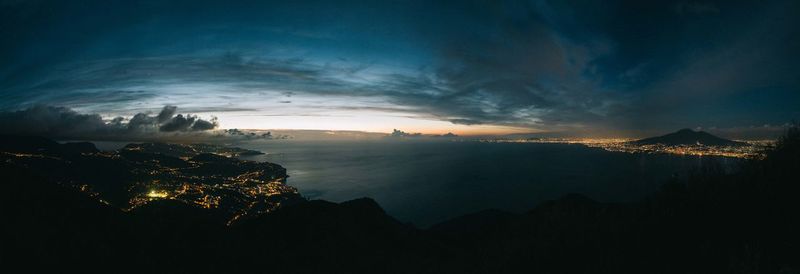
(471, 230)
(688, 137)
(188, 151)
(479, 221)
(35, 144)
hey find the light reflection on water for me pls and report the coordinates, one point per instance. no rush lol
(427, 182)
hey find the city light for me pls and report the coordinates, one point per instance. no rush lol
(753, 149)
(157, 194)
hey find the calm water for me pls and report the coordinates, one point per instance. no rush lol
(427, 182)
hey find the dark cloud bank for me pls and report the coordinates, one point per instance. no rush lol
(65, 124)
(396, 133)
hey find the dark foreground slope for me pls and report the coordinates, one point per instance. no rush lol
(714, 222)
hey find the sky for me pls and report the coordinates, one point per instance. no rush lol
(578, 68)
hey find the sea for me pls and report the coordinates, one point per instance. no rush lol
(425, 182)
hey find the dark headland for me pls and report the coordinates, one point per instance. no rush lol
(710, 222)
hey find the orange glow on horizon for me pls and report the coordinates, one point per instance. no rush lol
(364, 122)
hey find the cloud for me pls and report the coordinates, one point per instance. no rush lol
(514, 70)
(251, 134)
(399, 133)
(178, 123)
(63, 123)
(543, 65)
(54, 122)
(140, 122)
(166, 113)
(201, 125)
(465, 122)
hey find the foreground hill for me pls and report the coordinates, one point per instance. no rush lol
(688, 137)
(713, 222)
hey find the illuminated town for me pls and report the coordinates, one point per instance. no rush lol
(752, 149)
(202, 176)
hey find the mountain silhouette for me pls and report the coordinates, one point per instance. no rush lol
(688, 137)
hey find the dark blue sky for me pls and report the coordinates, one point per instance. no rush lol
(603, 68)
